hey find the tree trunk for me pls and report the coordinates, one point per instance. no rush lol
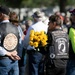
(19, 13)
(62, 4)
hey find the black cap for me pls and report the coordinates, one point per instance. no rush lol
(4, 10)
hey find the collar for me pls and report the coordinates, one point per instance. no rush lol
(4, 21)
(60, 28)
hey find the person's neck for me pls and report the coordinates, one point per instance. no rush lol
(5, 18)
(57, 27)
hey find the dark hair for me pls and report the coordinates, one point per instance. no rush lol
(55, 18)
(4, 10)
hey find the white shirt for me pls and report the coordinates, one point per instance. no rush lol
(39, 26)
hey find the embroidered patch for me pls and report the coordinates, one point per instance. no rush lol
(10, 41)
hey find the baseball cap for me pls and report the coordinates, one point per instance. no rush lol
(38, 14)
(4, 10)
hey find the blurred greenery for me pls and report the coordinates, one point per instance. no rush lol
(26, 3)
(37, 3)
(34, 3)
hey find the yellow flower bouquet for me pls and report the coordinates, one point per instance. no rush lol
(38, 39)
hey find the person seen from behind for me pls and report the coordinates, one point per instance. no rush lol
(36, 62)
(15, 21)
(8, 44)
(55, 64)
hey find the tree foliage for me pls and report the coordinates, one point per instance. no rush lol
(28, 3)
(11, 3)
(33, 3)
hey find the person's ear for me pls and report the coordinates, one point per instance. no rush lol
(54, 24)
(0, 14)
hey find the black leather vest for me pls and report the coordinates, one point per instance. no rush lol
(5, 29)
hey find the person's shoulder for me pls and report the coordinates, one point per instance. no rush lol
(6, 23)
(39, 23)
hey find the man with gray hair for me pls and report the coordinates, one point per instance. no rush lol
(36, 64)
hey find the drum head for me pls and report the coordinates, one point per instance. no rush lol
(10, 42)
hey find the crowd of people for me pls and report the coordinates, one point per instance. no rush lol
(18, 57)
